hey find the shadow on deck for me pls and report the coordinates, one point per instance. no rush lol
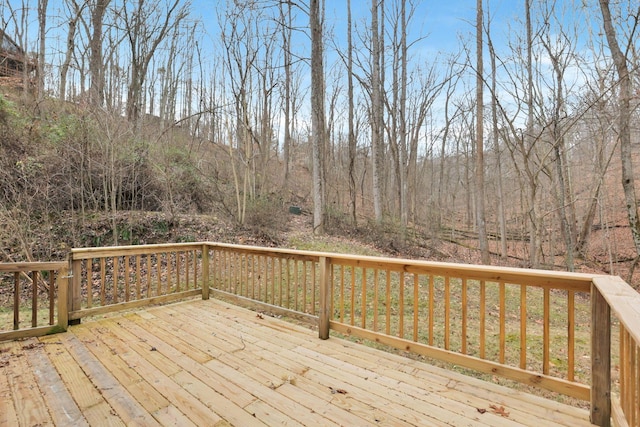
(208, 363)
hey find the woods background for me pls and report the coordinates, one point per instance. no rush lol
(232, 112)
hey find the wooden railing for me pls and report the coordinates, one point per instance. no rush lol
(38, 290)
(116, 278)
(531, 326)
(611, 295)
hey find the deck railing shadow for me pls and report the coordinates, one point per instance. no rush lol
(532, 326)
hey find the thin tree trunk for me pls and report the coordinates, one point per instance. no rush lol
(479, 175)
(624, 120)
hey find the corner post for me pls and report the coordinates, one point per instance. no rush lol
(600, 359)
(63, 298)
(205, 271)
(74, 292)
(325, 297)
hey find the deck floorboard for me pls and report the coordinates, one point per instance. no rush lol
(211, 363)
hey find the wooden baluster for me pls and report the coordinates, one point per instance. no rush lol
(16, 300)
(205, 272)
(483, 318)
(376, 284)
(545, 331)
(195, 271)
(138, 278)
(90, 283)
(103, 282)
(169, 256)
(363, 302)
(149, 271)
(447, 311)
(523, 327)
(431, 307)
(52, 295)
(416, 307)
(116, 273)
(502, 315)
(127, 279)
(388, 303)
(34, 298)
(401, 304)
(342, 294)
(353, 295)
(463, 343)
(571, 332)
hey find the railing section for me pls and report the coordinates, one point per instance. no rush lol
(281, 282)
(29, 293)
(108, 279)
(612, 296)
(519, 324)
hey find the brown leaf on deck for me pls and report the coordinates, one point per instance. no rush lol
(481, 410)
(499, 410)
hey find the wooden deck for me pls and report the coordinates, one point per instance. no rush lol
(208, 363)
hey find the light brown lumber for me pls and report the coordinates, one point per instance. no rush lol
(262, 411)
(195, 410)
(27, 399)
(8, 416)
(90, 401)
(263, 392)
(400, 411)
(62, 408)
(223, 387)
(257, 363)
(108, 353)
(205, 392)
(537, 407)
(118, 397)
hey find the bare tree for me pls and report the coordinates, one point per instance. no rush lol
(624, 119)
(96, 66)
(147, 25)
(318, 125)
(479, 175)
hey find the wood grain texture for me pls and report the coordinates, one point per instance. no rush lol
(210, 363)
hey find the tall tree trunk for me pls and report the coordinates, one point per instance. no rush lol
(624, 120)
(318, 127)
(352, 136)
(479, 175)
(42, 29)
(96, 67)
(376, 114)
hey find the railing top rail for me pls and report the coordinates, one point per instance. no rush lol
(31, 266)
(107, 251)
(623, 300)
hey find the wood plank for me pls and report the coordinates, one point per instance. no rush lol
(62, 408)
(118, 397)
(106, 348)
(8, 415)
(90, 401)
(226, 405)
(538, 408)
(30, 407)
(236, 394)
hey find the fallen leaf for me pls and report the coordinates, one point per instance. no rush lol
(481, 410)
(499, 410)
(259, 316)
(337, 390)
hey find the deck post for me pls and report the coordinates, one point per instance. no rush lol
(205, 271)
(74, 291)
(63, 298)
(600, 359)
(325, 297)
